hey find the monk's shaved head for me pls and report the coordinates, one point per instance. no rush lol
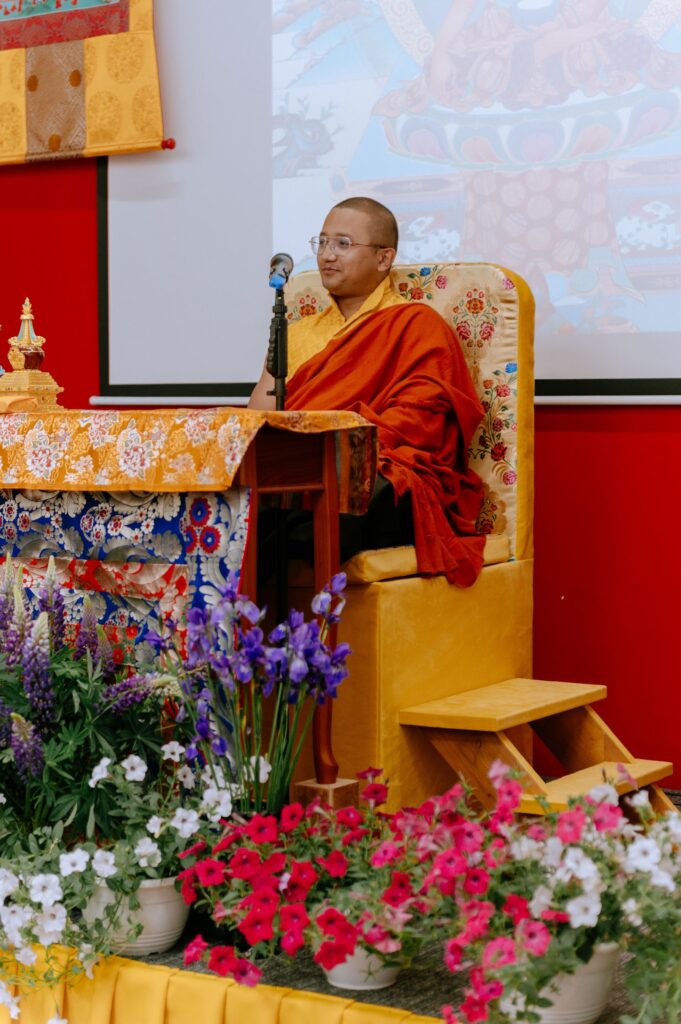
(383, 220)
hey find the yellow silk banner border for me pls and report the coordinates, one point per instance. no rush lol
(101, 95)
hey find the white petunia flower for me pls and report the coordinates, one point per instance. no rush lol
(643, 855)
(639, 799)
(525, 848)
(148, 853)
(45, 889)
(630, 910)
(213, 776)
(172, 751)
(57, 1020)
(88, 958)
(513, 1005)
(216, 804)
(3, 798)
(583, 910)
(135, 768)
(99, 772)
(13, 919)
(186, 777)
(672, 820)
(104, 864)
(10, 1001)
(155, 825)
(73, 863)
(25, 955)
(553, 852)
(604, 793)
(8, 883)
(576, 864)
(264, 768)
(541, 900)
(662, 879)
(185, 822)
(50, 924)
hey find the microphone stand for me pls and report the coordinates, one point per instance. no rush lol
(277, 353)
(277, 366)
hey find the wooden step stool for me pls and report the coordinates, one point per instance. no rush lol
(473, 729)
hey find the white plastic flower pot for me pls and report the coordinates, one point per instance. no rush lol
(162, 913)
(581, 998)
(362, 972)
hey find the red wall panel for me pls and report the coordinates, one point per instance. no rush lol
(48, 252)
(608, 565)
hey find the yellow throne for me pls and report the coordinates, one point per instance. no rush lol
(438, 668)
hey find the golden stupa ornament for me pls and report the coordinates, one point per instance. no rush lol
(27, 386)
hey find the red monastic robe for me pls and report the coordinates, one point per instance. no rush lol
(402, 369)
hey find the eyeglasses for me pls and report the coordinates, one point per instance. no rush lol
(339, 244)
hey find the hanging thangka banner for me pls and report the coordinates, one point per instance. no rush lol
(77, 78)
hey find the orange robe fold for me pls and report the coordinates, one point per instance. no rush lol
(403, 370)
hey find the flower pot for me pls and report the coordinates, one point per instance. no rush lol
(581, 998)
(363, 972)
(162, 912)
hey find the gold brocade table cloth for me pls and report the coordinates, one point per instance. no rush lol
(164, 450)
(139, 508)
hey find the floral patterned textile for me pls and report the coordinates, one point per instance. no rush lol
(492, 312)
(140, 557)
(163, 450)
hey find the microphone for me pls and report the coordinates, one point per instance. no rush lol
(281, 266)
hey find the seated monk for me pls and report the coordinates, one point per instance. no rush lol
(398, 364)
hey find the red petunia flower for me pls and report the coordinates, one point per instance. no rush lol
(256, 927)
(263, 900)
(399, 889)
(194, 951)
(227, 840)
(222, 960)
(354, 836)
(292, 941)
(291, 816)
(244, 864)
(330, 954)
(517, 908)
(210, 872)
(191, 850)
(476, 881)
(262, 828)
(246, 973)
(336, 864)
(370, 774)
(375, 793)
(294, 916)
(350, 817)
(302, 878)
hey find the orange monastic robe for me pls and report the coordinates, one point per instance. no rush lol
(402, 369)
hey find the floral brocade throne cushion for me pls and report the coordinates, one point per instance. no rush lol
(492, 312)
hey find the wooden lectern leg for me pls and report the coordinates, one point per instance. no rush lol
(326, 562)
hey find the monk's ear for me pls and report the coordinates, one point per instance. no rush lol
(386, 258)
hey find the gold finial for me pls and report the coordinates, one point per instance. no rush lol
(25, 355)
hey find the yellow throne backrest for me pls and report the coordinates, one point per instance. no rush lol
(492, 312)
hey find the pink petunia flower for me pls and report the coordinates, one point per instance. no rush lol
(498, 952)
(535, 937)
